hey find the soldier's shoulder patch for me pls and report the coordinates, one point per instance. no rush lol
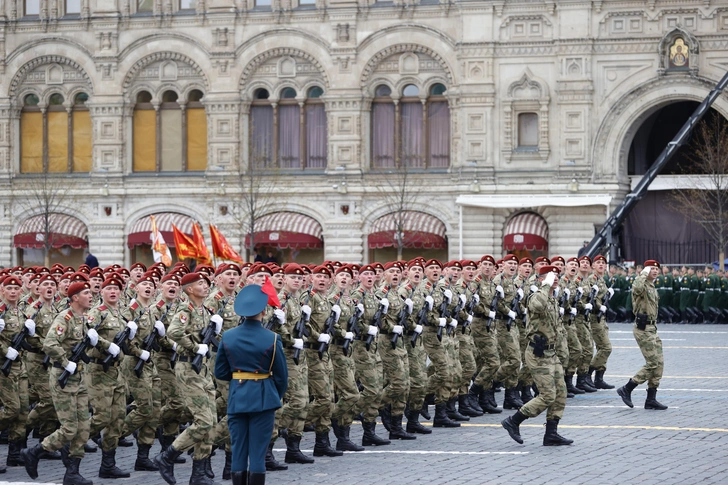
(3, 307)
(38, 304)
(191, 307)
(219, 295)
(101, 308)
(68, 317)
(160, 303)
(60, 329)
(90, 319)
(183, 317)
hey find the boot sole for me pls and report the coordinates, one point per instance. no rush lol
(557, 444)
(420, 431)
(299, 462)
(108, 475)
(27, 470)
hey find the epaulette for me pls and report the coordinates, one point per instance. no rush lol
(191, 307)
(29, 301)
(67, 317)
(57, 297)
(37, 304)
(102, 308)
(219, 295)
(160, 303)
(3, 307)
(134, 305)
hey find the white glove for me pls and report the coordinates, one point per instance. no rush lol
(499, 290)
(611, 292)
(595, 288)
(174, 346)
(71, 367)
(93, 337)
(349, 336)
(409, 304)
(428, 299)
(534, 288)
(549, 279)
(385, 304)
(645, 271)
(580, 291)
(2, 324)
(202, 349)
(476, 297)
(337, 312)
(448, 296)
(298, 343)
(397, 329)
(588, 306)
(453, 323)
(602, 309)
(30, 325)
(114, 349)
(511, 314)
(556, 292)
(373, 330)
(324, 338)
(133, 329)
(159, 326)
(11, 354)
(306, 310)
(463, 299)
(567, 292)
(491, 315)
(573, 311)
(280, 316)
(217, 320)
(561, 311)
(519, 292)
(145, 355)
(442, 322)
(418, 329)
(470, 319)
(360, 307)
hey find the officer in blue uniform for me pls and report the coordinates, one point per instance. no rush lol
(252, 359)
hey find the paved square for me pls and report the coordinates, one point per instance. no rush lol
(613, 444)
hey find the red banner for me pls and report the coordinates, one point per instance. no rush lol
(220, 247)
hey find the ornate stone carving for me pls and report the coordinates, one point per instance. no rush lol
(252, 68)
(373, 64)
(152, 66)
(49, 70)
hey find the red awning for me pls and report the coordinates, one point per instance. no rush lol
(527, 231)
(64, 230)
(419, 230)
(141, 231)
(288, 230)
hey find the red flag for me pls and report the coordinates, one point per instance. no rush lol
(183, 244)
(203, 254)
(221, 248)
(270, 290)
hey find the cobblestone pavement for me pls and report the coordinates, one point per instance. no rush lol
(613, 444)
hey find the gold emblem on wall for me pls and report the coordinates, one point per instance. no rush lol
(679, 53)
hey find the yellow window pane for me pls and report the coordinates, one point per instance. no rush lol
(31, 142)
(171, 140)
(196, 139)
(57, 141)
(81, 141)
(145, 140)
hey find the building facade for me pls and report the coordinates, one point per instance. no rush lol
(510, 125)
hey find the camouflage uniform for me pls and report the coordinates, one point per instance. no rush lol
(508, 339)
(484, 337)
(583, 330)
(599, 327)
(43, 415)
(463, 334)
(416, 356)
(394, 360)
(524, 374)
(369, 370)
(319, 369)
(441, 370)
(14, 387)
(644, 300)
(572, 336)
(344, 368)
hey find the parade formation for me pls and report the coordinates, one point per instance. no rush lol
(94, 357)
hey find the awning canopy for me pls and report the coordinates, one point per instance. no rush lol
(527, 231)
(141, 231)
(523, 201)
(62, 229)
(418, 230)
(288, 230)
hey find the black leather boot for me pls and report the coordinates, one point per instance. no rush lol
(582, 384)
(397, 432)
(322, 447)
(14, 457)
(441, 419)
(651, 402)
(166, 441)
(569, 378)
(425, 411)
(199, 474)
(240, 478)
(511, 399)
(344, 443)
(228, 466)
(589, 377)
(487, 402)
(453, 413)
(256, 479)
(108, 467)
(73, 476)
(125, 442)
(30, 459)
(386, 414)
(526, 393)
(143, 463)
(552, 437)
(413, 424)
(293, 451)
(465, 408)
(165, 462)
(599, 381)
(271, 464)
(90, 447)
(625, 392)
(474, 401)
(336, 428)
(370, 437)
(208, 467)
(512, 425)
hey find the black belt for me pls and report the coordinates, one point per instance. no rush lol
(548, 347)
(307, 345)
(114, 362)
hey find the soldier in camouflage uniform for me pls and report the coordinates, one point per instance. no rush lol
(572, 283)
(644, 296)
(71, 401)
(543, 333)
(524, 280)
(198, 390)
(583, 327)
(598, 323)
(466, 289)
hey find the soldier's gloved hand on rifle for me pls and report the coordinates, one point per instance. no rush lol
(217, 320)
(337, 312)
(373, 330)
(2, 324)
(511, 314)
(453, 323)
(11, 354)
(519, 292)
(442, 322)
(418, 329)
(595, 288)
(160, 328)
(573, 311)
(470, 319)
(602, 309)
(463, 299)
(298, 343)
(306, 310)
(491, 315)
(93, 337)
(114, 349)
(567, 292)
(448, 296)
(174, 346)
(408, 302)
(30, 325)
(71, 367)
(360, 307)
(549, 279)
(588, 306)
(534, 288)
(202, 349)
(611, 292)
(397, 329)
(580, 291)
(280, 316)
(430, 301)
(561, 311)
(349, 336)
(132, 329)
(385, 304)
(324, 338)
(499, 290)
(145, 355)
(556, 292)
(476, 297)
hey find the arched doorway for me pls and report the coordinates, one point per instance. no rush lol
(286, 237)
(526, 235)
(419, 234)
(45, 239)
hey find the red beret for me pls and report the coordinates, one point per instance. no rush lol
(77, 287)
(96, 273)
(275, 269)
(488, 257)
(57, 271)
(42, 270)
(205, 268)
(415, 262)
(12, 281)
(35, 276)
(651, 262)
(599, 257)
(526, 260)
(468, 263)
(390, 265)
(548, 269)
(585, 258)
(378, 265)
(355, 267)
(84, 268)
(293, 269)
(260, 268)
(47, 277)
(433, 262)
(123, 271)
(345, 269)
(112, 281)
(557, 258)
(321, 270)
(367, 267)
(79, 276)
(454, 264)
(228, 266)
(149, 276)
(574, 259)
(30, 269)
(190, 278)
(246, 265)
(543, 259)
(510, 257)
(171, 276)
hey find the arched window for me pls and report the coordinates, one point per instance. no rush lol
(55, 138)
(172, 137)
(410, 133)
(281, 132)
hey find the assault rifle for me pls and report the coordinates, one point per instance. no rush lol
(272, 319)
(352, 327)
(514, 307)
(329, 328)
(402, 320)
(444, 313)
(577, 296)
(422, 317)
(494, 309)
(605, 302)
(120, 339)
(149, 344)
(18, 343)
(377, 321)
(208, 338)
(78, 352)
(455, 312)
(299, 331)
(592, 296)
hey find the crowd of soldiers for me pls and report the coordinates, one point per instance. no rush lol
(357, 341)
(686, 294)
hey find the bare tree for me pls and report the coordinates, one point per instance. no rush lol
(707, 202)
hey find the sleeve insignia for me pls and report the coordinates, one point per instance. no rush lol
(101, 308)
(183, 317)
(160, 303)
(67, 317)
(59, 330)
